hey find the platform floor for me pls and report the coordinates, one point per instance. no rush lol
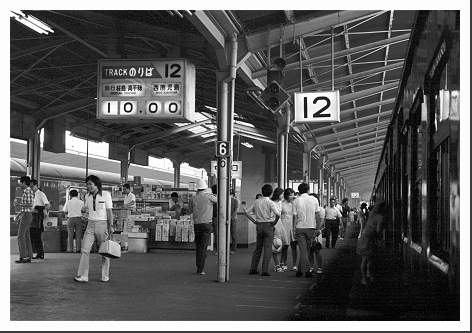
(162, 286)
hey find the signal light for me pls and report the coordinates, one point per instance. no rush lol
(274, 96)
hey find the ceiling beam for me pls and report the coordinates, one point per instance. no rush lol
(350, 169)
(160, 135)
(348, 153)
(344, 134)
(356, 157)
(351, 122)
(339, 54)
(350, 77)
(348, 138)
(24, 102)
(368, 92)
(353, 144)
(260, 40)
(367, 106)
(77, 38)
(59, 109)
(353, 163)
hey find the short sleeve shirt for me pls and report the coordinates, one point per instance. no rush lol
(130, 197)
(332, 213)
(305, 209)
(98, 212)
(40, 199)
(27, 199)
(265, 210)
(73, 207)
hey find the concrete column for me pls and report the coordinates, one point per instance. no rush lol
(176, 164)
(33, 158)
(306, 166)
(321, 178)
(329, 193)
(281, 158)
(124, 166)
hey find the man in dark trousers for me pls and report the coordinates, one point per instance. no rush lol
(267, 214)
(40, 208)
(234, 221)
(24, 221)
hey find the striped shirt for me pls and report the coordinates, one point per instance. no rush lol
(27, 200)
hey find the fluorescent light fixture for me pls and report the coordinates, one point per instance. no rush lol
(207, 135)
(247, 144)
(244, 123)
(31, 22)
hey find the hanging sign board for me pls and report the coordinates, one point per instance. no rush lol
(152, 90)
(354, 195)
(317, 107)
(236, 170)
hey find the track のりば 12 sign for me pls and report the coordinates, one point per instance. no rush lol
(151, 90)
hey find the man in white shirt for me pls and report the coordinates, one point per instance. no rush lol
(40, 208)
(130, 198)
(267, 215)
(306, 211)
(332, 218)
(73, 209)
(99, 206)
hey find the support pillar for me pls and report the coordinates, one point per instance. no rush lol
(176, 164)
(124, 166)
(223, 179)
(329, 193)
(33, 160)
(321, 178)
(280, 158)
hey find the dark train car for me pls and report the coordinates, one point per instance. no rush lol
(418, 173)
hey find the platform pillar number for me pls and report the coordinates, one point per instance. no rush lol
(222, 149)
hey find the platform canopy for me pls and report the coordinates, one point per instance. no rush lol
(55, 76)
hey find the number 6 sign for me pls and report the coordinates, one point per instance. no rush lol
(222, 149)
(317, 107)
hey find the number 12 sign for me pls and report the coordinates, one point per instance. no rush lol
(317, 107)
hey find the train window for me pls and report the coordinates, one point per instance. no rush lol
(416, 186)
(440, 226)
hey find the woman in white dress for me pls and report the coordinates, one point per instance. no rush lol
(288, 233)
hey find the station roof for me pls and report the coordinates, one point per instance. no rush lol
(55, 76)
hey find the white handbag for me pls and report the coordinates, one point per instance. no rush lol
(110, 249)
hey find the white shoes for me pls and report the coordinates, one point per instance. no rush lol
(105, 279)
(81, 279)
(319, 270)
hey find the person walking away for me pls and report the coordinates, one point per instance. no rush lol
(234, 222)
(99, 206)
(266, 217)
(307, 214)
(332, 218)
(40, 209)
(24, 221)
(130, 199)
(277, 197)
(367, 244)
(288, 235)
(201, 209)
(73, 209)
(345, 216)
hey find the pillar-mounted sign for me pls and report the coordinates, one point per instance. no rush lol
(150, 90)
(236, 169)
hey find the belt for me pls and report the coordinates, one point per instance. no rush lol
(264, 222)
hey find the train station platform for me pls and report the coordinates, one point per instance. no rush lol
(161, 285)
